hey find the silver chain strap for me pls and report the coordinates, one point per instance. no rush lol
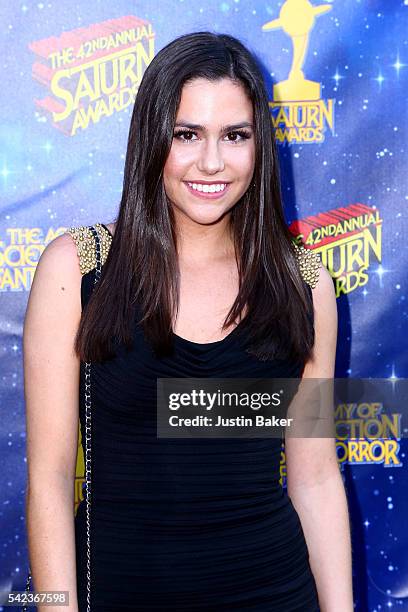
(87, 367)
(88, 438)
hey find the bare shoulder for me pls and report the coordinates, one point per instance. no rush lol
(55, 294)
(323, 292)
(58, 264)
(322, 362)
(62, 250)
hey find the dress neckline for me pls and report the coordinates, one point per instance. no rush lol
(182, 340)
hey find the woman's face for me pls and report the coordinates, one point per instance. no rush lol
(213, 144)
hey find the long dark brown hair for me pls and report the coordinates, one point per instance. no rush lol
(141, 273)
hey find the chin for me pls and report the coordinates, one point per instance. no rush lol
(207, 213)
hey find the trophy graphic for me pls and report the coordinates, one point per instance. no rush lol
(297, 18)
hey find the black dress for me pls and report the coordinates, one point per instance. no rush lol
(185, 524)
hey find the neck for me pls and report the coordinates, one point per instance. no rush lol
(199, 243)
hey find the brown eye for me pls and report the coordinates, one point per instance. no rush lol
(242, 134)
(181, 135)
(235, 136)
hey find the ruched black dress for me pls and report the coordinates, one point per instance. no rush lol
(185, 525)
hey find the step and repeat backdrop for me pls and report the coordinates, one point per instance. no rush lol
(337, 78)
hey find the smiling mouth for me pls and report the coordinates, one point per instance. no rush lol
(211, 190)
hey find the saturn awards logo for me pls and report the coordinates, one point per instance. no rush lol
(349, 240)
(92, 72)
(299, 114)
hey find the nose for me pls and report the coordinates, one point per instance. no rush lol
(210, 159)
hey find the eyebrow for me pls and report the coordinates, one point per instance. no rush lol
(224, 128)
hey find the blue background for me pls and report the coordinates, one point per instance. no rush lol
(50, 180)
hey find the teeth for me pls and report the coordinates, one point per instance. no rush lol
(208, 188)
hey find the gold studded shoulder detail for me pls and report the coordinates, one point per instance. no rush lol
(85, 243)
(309, 263)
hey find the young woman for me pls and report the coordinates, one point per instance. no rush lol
(200, 278)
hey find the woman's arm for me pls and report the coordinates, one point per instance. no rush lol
(51, 379)
(314, 481)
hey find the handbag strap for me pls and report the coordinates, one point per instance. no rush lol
(88, 463)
